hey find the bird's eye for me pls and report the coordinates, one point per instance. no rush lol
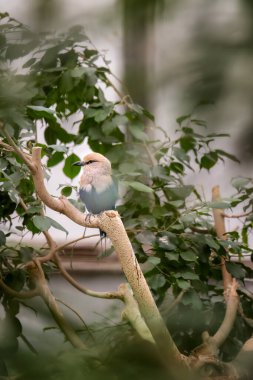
(90, 162)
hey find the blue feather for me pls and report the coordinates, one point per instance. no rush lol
(97, 202)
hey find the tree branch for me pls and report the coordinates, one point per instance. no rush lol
(52, 305)
(219, 225)
(89, 292)
(20, 295)
(132, 314)
(232, 303)
(110, 222)
(25, 157)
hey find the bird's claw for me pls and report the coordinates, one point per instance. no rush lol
(88, 217)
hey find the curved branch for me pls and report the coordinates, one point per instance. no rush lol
(132, 314)
(88, 292)
(237, 216)
(52, 305)
(110, 222)
(25, 157)
(20, 295)
(231, 310)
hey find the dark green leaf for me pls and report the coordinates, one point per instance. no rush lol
(70, 170)
(55, 159)
(66, 191)
(140, 187)
(208, 160)
(188, 256)
(43, 223)
(2, 238)
(236, 270)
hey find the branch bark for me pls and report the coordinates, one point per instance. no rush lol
(50, 301)
(220, 229)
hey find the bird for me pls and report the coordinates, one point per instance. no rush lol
(97, 190)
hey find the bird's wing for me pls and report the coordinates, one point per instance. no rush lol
(97, 202)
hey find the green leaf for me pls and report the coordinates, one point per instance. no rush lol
(57, 225)
(236, 270)
(70, 170)
(138, 133)
(188, 256)
(2, 238)
(154, 260)
(208, 160)
(26, 254)
(55, 159)
(211, 242)
(219, 204)
(180, 119)
(189, 275)
(228, 155)
(177, 167)
(157, 281)
(178, 192)
(43, 223)
(66, 191)
(39, 112)
(187, 143)
(172, 256)
(183, 284)
(140, 187)
(240, 182)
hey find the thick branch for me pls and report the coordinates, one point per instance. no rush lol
(132, 314)
(230, 315)
(56, 312)
(111, 223)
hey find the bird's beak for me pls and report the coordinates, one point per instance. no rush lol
(78, 163)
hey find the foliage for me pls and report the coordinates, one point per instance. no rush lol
(62, 82)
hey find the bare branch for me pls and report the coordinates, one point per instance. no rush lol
(20, 295)
(132, 314)
(88, 292)
(219, 225)
(232, 303)
(52, 305)
(237, 216)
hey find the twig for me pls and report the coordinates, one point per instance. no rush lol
(219, 226)
(29, 345)
(236, 215)
(21, 295)
(77, 314)
(19, 152)
(73, 282)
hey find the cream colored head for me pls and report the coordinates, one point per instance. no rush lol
(96, 162)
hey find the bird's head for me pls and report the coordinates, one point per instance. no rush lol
(95, 162)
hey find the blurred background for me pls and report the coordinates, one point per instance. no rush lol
(174, 58)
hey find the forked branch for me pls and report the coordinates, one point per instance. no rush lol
(111, 223)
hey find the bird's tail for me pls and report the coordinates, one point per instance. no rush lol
(102, 234)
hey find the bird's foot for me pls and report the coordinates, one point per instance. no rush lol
(88, 217)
